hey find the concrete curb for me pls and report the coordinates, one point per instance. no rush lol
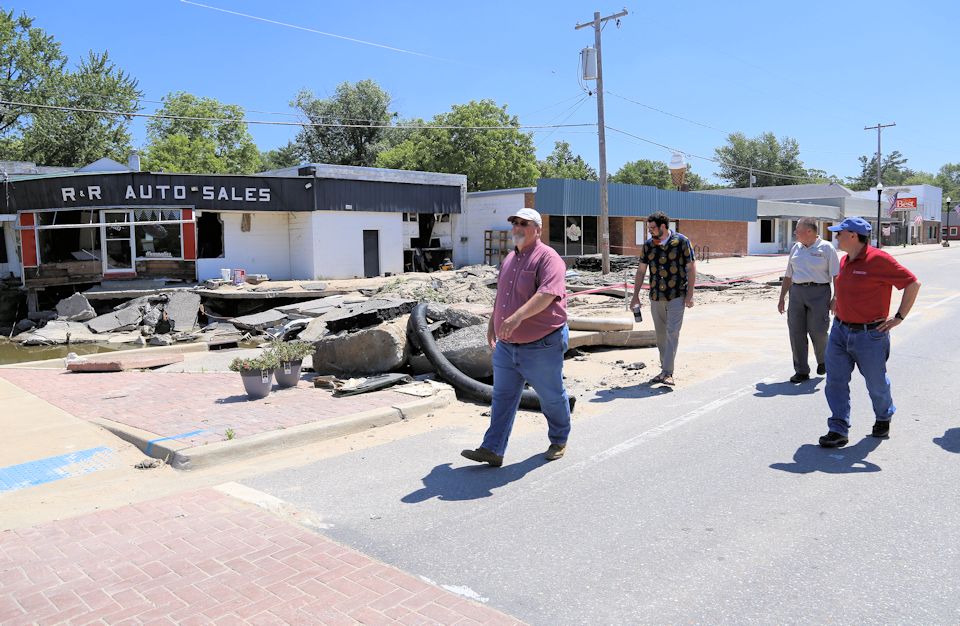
(181, 456)
(181, 348)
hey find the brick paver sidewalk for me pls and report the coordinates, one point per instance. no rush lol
(207, 558)
(170, 404)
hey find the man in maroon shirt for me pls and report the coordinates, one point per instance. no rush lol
(860, 334)
(528, 334)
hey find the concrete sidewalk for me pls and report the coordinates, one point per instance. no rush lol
(193, 420)
(229, 555)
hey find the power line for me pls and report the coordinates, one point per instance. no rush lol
(668, 113)
(711, 159)
(276, 123)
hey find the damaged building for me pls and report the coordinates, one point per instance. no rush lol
(109, 221)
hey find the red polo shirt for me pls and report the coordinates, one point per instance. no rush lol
(865, 283)
(539, 269)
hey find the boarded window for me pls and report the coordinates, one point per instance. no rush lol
(766, 231)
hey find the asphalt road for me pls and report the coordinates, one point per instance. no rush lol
(711, 503)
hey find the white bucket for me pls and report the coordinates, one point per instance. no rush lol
(225, 273)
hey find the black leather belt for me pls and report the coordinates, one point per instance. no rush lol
(811, 284)
(852, 326)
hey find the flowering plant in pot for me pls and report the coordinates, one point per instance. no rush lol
(289, 356)
(256, 373)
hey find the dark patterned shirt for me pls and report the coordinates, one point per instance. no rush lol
(668, 266)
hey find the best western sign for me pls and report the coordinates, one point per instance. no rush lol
(905, 204)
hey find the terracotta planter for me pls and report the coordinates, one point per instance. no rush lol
(288, 374)
(257, 383)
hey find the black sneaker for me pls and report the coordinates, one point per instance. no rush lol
(833, 440)
(482, 455)
(821, 369)
(881, 429)
(799, 378)
(555, 451)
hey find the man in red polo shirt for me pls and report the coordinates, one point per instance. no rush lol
(528, 334)
(860, 334)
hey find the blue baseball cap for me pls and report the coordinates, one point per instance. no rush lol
(854, 224)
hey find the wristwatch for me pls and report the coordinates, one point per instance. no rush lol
(898, 316)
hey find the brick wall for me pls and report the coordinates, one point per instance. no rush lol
(723, 238)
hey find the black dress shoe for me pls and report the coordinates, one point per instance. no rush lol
(799, 378)
(833, 440)
(881, 429)
(482, 455)
(821, 369)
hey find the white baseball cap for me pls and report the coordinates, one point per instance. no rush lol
(527, 214)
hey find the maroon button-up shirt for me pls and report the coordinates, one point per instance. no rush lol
(539, 269)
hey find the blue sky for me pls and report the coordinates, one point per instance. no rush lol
(817, 71)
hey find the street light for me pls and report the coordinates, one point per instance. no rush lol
(879, 191)
(946, 238)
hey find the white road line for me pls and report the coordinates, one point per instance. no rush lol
(944, 301)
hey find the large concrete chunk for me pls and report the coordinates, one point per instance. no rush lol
(315, 330)
(76, 308)
(260, 321)
(455, 316)
(466, 348)
(312, 308)
(367, 314)
(369, 351)
(56, 333)
(182, 308)
(124, 319)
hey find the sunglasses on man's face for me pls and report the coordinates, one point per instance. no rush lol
(523, 223)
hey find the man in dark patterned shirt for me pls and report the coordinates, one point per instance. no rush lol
(673, 274)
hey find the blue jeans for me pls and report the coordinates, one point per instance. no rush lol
(869, 351)
(539, 363)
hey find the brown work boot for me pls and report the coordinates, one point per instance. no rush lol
(482, 455)
(555, 451)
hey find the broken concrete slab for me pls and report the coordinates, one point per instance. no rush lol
(312, 308)
(374, 350)
(367, 314)
(119, 363)
(161, 340)
(454, 315)
(124, 319)
(316, 328)
(76, 308)
(260, 321)
(182, 308)
(56, 333)
(614, 338)
(467, 350)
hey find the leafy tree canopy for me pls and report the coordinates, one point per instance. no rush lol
(284, 156)
(201, 144)
(31, 64)
(764, 152)
(562, 163)
(501, 158)
(360, 106)
(70, 138)
(654, 174)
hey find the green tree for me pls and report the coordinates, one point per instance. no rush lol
(764, 152)
(948, 179)
(821, 176)
(359, 108)
(193, 139)
(562, 163)
(71, 138)
(31, 65)
(893, 171)
(654, 174)
(278, 158)
(498, 158)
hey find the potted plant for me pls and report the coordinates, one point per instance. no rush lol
(256, 373)
(289, 356)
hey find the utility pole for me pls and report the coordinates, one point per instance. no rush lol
(879, 127)
(597, 24)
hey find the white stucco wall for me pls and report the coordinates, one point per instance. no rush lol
(302, 235)
(265, 249)
(338, 248)
(485, 211)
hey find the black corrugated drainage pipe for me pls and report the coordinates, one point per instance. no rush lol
(448, 371)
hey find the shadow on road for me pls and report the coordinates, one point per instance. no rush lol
(811, 458)
(471, 482)
(950, 440)
(786, 388)
(642, 390)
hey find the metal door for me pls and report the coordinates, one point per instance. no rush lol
(371, 253)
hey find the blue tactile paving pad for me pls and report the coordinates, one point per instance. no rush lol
(33, 473)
